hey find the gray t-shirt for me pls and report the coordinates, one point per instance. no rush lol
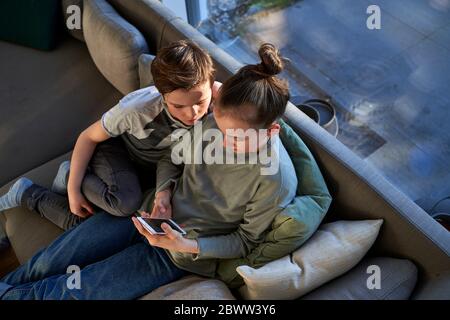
(142, 120)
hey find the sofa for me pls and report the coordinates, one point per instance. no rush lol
(73, 85)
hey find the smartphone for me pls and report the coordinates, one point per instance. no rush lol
(154, 225)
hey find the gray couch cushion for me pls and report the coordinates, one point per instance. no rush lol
(145, 68)
(114, 44)
(398, 278)
(27, 231)
(76, 33)
(4, 242)
(191, 288)
(149, 16)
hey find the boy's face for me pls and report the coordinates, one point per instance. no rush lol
(189, 106)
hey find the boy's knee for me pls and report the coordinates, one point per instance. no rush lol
(128, 206)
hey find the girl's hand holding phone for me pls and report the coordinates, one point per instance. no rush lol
(171, 240)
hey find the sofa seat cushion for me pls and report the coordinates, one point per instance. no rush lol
(27, 231)
(191, 287)
(397, 279)
(4, 241)
(114, 44)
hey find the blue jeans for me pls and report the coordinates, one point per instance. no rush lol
(115, 263)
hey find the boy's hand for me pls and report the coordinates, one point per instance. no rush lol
(172, 240)
(79, 205)
(162, 208)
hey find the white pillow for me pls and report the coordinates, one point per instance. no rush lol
(334, 249)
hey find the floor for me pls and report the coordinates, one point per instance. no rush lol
(47, 99)
(391, 86)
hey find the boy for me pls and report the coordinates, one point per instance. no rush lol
(116, 157)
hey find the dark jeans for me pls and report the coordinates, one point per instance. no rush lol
(115, 262)
(113, 183)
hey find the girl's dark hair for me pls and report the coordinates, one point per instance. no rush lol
(181, 65)
(255, 94)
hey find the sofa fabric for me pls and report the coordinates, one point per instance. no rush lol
(66, 4)
(397, 280)
(31, 23)
(297, 222)
(145, 70)
(27, 231)
(4, 241)
(191, 288)
(160, 26)
(114, 44)
(150, 17)
(333, 250)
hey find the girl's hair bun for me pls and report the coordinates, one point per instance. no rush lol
(271, 60)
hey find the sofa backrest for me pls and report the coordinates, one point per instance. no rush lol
(359, 192)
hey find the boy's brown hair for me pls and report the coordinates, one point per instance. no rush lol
(181, 65)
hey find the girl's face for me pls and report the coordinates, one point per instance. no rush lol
(239, 135)
(189, 106)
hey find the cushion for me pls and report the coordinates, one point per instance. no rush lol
(397, 280)
(4, 241)
(333, 250)
(297, 222)
(76, 33)
(31, 23)
(27, 231)
(145, 70)
(191, 288)
(114, 44)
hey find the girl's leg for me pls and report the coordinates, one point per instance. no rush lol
(97, 238)
(126, 275)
